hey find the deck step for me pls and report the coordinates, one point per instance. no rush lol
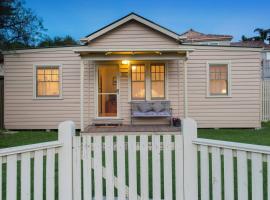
(107, 122)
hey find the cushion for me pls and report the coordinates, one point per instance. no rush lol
(144, 107)
(158, 107)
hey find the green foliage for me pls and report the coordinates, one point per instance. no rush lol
(19, 26)
(57, 41)
(263, 35)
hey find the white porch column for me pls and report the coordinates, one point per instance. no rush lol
(82, 95)
(185, 87)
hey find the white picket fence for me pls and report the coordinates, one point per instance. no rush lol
(265, 113)
(135, 167)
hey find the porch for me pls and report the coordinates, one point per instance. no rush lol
(132, 129)
(114, 92)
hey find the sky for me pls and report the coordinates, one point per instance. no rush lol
(79, 18)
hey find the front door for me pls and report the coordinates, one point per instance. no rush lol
(107, 90)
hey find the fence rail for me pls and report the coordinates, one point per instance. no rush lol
(237, 170)
(180, 167)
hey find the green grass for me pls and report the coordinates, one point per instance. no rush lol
(250, 136)
(26, 137)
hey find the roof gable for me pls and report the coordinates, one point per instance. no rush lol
(133, 35)
(126, 19)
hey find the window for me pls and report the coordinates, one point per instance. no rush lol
(158, 81)
(218, 80)
(138, 82)
(47, 81)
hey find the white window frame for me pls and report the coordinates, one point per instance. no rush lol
(35, 66)
(218, 62)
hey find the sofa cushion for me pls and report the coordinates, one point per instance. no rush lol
(144, 107)
(158, 107)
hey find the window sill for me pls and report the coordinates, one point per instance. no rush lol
(218, 96)
(48, 98)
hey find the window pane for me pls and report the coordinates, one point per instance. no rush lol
(218, 79)
(158, 81)
(107, 105)
(158, 89)
(107, 79)
(218, 87)
(40, 77)
(40, 71)
(52, 88)
(138, 90)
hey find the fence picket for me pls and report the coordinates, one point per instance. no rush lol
(257, 176)
(1, 174)
(204, 172)
(144, 166)
(216, 173)
(77, 167)
(242, 175)
(87, 168)
(268, 178)
(25, 176)
(98, 167)
(156, 167)
(121, 175)
(38, 174)
(179, 159)
(50, 175)
(228, 175)
(11, 177)
(109, 167)
(167, 167)
(132, 167)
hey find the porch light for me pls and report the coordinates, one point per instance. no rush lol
(125, 62)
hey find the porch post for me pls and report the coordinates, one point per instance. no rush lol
(185, 87)
(82, 95)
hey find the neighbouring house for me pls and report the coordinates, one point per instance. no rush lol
(265, 75)
(194, 37)
(133, 71)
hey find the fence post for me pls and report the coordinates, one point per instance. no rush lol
(66, 131)
(189, 130)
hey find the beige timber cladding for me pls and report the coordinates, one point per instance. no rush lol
(22, 110)
(133, 34)
(242, 109)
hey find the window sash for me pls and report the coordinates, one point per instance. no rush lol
(157, 72)
(218, 79)
(46, 78)
(138, 75)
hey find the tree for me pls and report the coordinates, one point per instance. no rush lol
(264, 34)
(57, 41)
(19, 26)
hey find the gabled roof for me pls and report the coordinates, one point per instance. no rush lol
(251, 43)
(195, 36)
(127, 18)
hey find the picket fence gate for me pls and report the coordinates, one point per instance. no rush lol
(181, 167)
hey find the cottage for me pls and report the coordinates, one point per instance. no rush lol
(133, 71)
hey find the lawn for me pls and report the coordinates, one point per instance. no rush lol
(26, 137)
(251, 136)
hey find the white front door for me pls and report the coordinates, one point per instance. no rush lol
(107, 91)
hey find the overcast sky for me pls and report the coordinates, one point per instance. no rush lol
(81, 17)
